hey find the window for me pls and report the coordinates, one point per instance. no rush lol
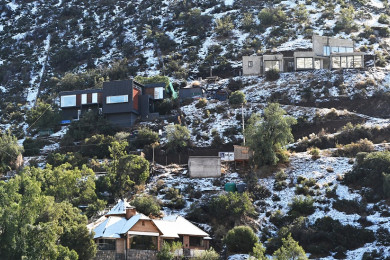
(336, 62)
(349, 49)
(117, 99)
(317, 64)
(350, 62)
(357, 62)
(94, 97)
(83, 98)
(326, 50)
(250, 64)
(343, 62)
(159, 93)
(196, 241)
(271, 64)
(347, 62)
(342, 49)
(334, 49)
(106, 244)
(68, 101)
(304, 63)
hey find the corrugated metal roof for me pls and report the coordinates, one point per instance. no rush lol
(173, 226)
(119, 208)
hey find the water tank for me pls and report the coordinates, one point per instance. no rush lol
(241, 187)
(230, 186)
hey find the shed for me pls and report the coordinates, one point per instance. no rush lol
(242, 153)
(204, 166)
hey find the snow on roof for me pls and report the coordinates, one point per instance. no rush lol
(114, 226)
(110, 228)
(119, 208)
(173, 226)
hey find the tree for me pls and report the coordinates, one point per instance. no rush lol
(240, 239)
(125, 170)
(301, 13)
(247, 21)
(237, 98)
(43, 116)
(290, 250)
(224, 26)
(345, 22)
(9, 151)
(258, 251)
(178, 138)
(229, 208)
(147, 205)
(64, 183)
(34, 226)
(267, 136)
(145, 137)
(97, 146)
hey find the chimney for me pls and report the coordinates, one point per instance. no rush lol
(130, 211)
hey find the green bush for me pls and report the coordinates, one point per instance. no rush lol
(147, 205)
(301, 206)
(352, 149)
(32, 146)
(230, 207)
(384, 19)
(73, 158)
(237, 98)
(145, 137)
(202, 102)
(209, 254)
(240, 239)
(97, 146)
(270, 16)
(371, 171)
(272, 75)
(224, 26)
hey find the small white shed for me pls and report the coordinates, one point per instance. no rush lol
(204, 166)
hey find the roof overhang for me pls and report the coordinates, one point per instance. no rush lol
(142, 233)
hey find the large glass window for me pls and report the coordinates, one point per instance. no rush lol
(83, 98)
(304, 63)
(68, 101)
(317, 64)
(336, 62)
(335, 49)
(347, 62)
(326, 50)
(117, 99)
(343, 62)
(357, 62)
(342, 49)
(350, 62)
(94, 97)
(349, 49)
(271, 64)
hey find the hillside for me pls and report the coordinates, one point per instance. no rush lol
(331, 198)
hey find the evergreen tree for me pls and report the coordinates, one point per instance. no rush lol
(9, 151)
(290, 250)
(241, 239)
(178, 138)
(267, 136)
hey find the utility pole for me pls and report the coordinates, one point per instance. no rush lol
(243, 121)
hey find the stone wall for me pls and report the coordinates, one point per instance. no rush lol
(108, 255)
(141, 254)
